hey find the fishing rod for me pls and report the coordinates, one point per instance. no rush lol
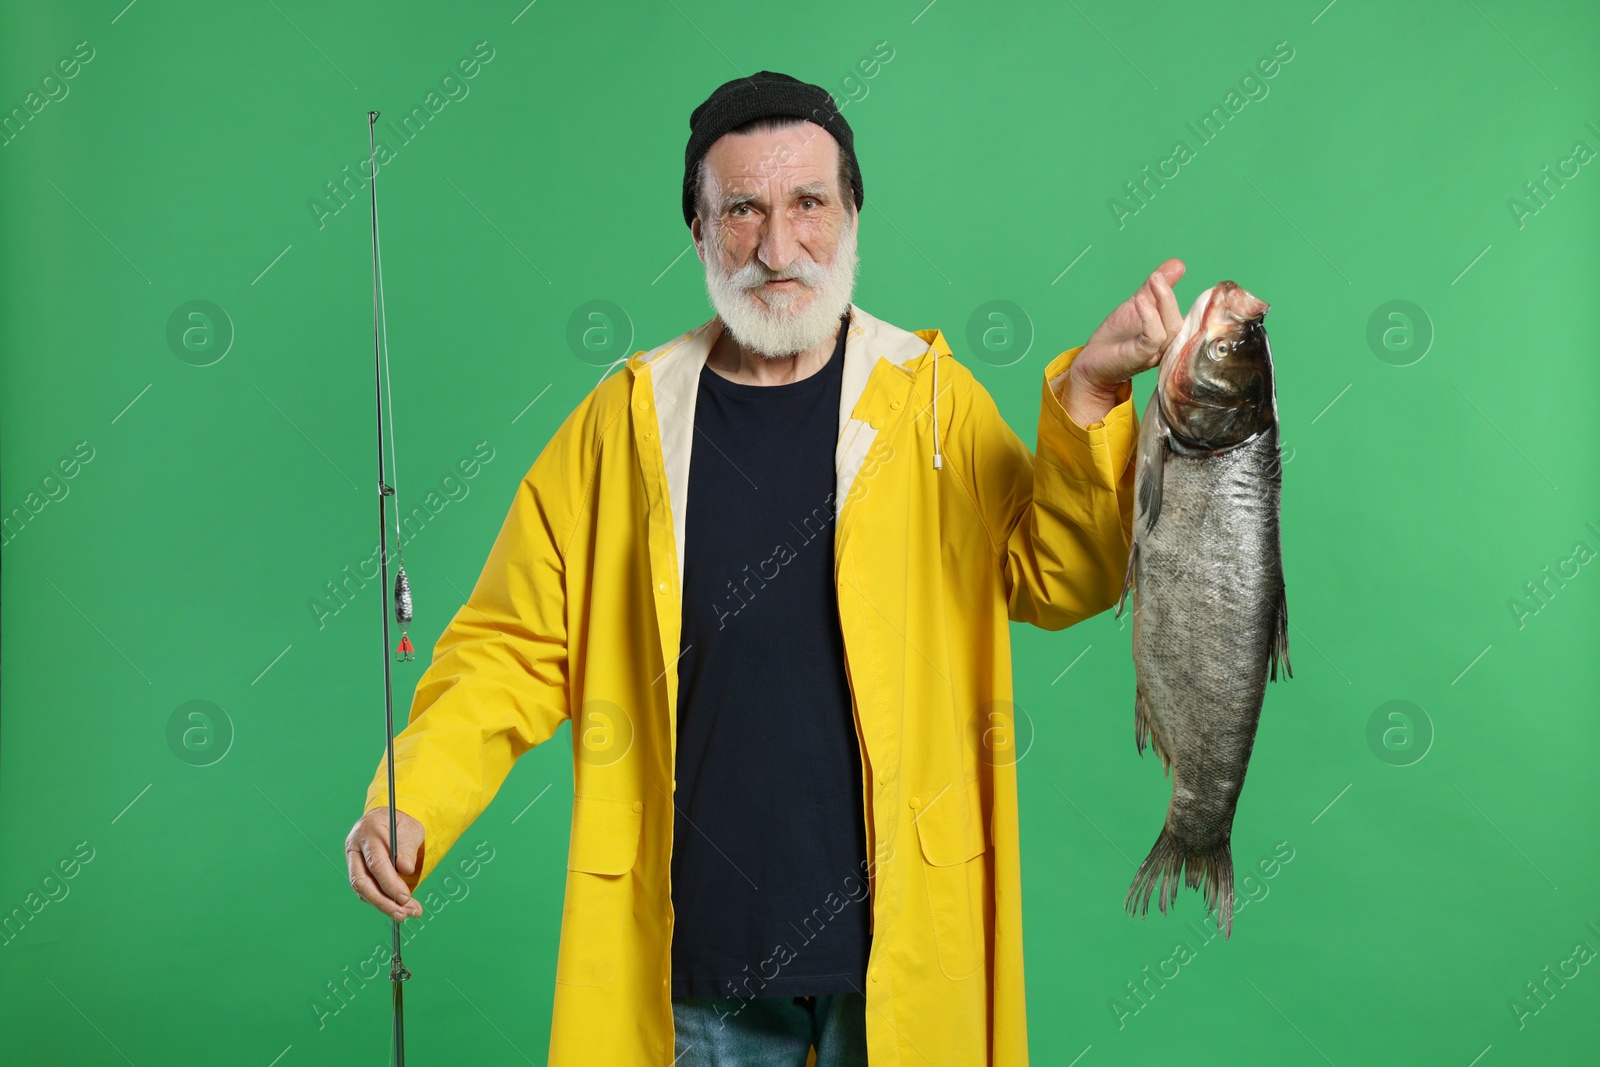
(402, 587)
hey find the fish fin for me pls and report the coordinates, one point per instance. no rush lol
(1150, 487)
(1144, 730)
(1127, 579)
(1278, 645)
(1211, 872)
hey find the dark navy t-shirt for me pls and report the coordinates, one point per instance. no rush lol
(769, 853)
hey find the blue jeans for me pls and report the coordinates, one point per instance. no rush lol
(770, 1031)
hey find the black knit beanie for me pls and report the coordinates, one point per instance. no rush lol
(763, 94)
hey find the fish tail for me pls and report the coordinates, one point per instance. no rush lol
(1211, 872)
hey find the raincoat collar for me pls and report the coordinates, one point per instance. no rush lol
(673, 370)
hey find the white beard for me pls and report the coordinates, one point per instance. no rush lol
(765, 322)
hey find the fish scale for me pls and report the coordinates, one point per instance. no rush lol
(1206, 574)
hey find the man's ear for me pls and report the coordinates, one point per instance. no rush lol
(694, 233)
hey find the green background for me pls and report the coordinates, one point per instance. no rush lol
(183, 562)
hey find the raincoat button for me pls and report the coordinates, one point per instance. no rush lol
(638, 805)
(661, 587)
(895, 404)
(916, 802)
(883, 777)
(648, 435)
(877, 974)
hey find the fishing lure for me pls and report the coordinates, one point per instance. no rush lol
(402, 613)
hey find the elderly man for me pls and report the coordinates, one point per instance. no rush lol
(767, 571)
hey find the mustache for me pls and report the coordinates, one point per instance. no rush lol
(755, 273)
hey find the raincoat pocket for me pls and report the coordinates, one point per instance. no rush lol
(595, 915)
(954, 837)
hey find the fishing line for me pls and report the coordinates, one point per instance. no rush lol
(404, 607)
(402, 589)
(388, 398)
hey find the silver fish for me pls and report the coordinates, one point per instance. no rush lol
(1210, 623)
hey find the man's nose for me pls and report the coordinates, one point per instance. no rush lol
(778, 243)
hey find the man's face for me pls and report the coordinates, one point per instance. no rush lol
(779, 245)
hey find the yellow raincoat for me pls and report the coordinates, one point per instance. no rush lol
(576, 616)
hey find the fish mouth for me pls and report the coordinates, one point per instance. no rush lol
(1232, 302)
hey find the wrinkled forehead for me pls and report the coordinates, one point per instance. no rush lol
(775, 161)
